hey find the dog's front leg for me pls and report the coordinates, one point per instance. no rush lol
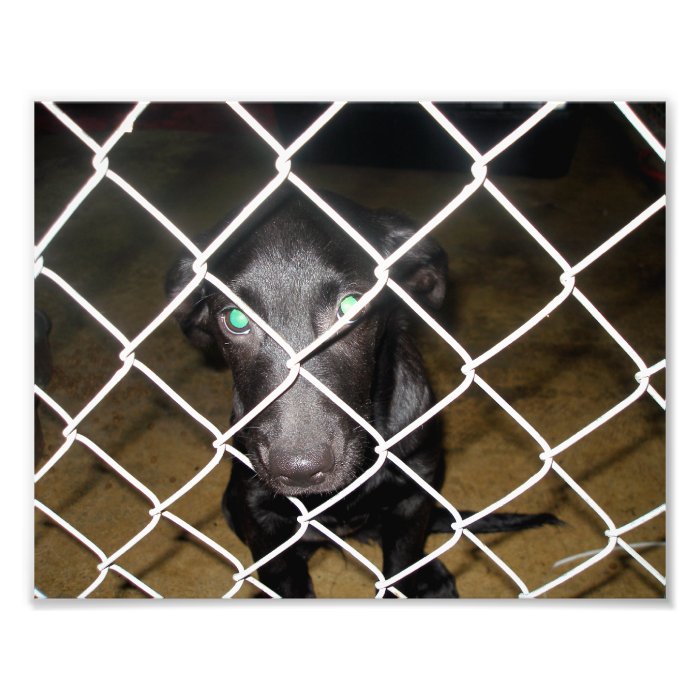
(287, 574)
(404, 530)
(263, 523)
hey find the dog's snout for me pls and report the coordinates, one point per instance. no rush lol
(301, 468)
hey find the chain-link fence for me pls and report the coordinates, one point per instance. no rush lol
(546, 459)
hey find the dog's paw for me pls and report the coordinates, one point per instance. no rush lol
(433, 581)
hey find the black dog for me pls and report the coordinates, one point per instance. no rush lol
(295, 268)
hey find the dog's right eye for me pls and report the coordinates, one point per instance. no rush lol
(236, 321)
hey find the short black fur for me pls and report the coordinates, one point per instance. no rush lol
(292, 265)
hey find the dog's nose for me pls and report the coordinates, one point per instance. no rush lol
(301, 468)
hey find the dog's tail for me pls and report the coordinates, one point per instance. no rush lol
(441, 521)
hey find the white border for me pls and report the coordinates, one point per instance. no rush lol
(360, 50)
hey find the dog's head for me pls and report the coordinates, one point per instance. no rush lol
(300, 273)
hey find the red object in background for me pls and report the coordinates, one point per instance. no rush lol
(652, 166)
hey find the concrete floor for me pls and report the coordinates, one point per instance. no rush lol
(560, 376)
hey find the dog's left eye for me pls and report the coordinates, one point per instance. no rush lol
(236, 321)
(346, 303)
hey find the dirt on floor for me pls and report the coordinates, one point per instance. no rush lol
(560, 376)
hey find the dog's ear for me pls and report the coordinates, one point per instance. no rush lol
(422, 270)
(193, 312)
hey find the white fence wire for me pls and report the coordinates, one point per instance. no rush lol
(615, 532)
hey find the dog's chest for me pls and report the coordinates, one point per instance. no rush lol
(342, 528)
